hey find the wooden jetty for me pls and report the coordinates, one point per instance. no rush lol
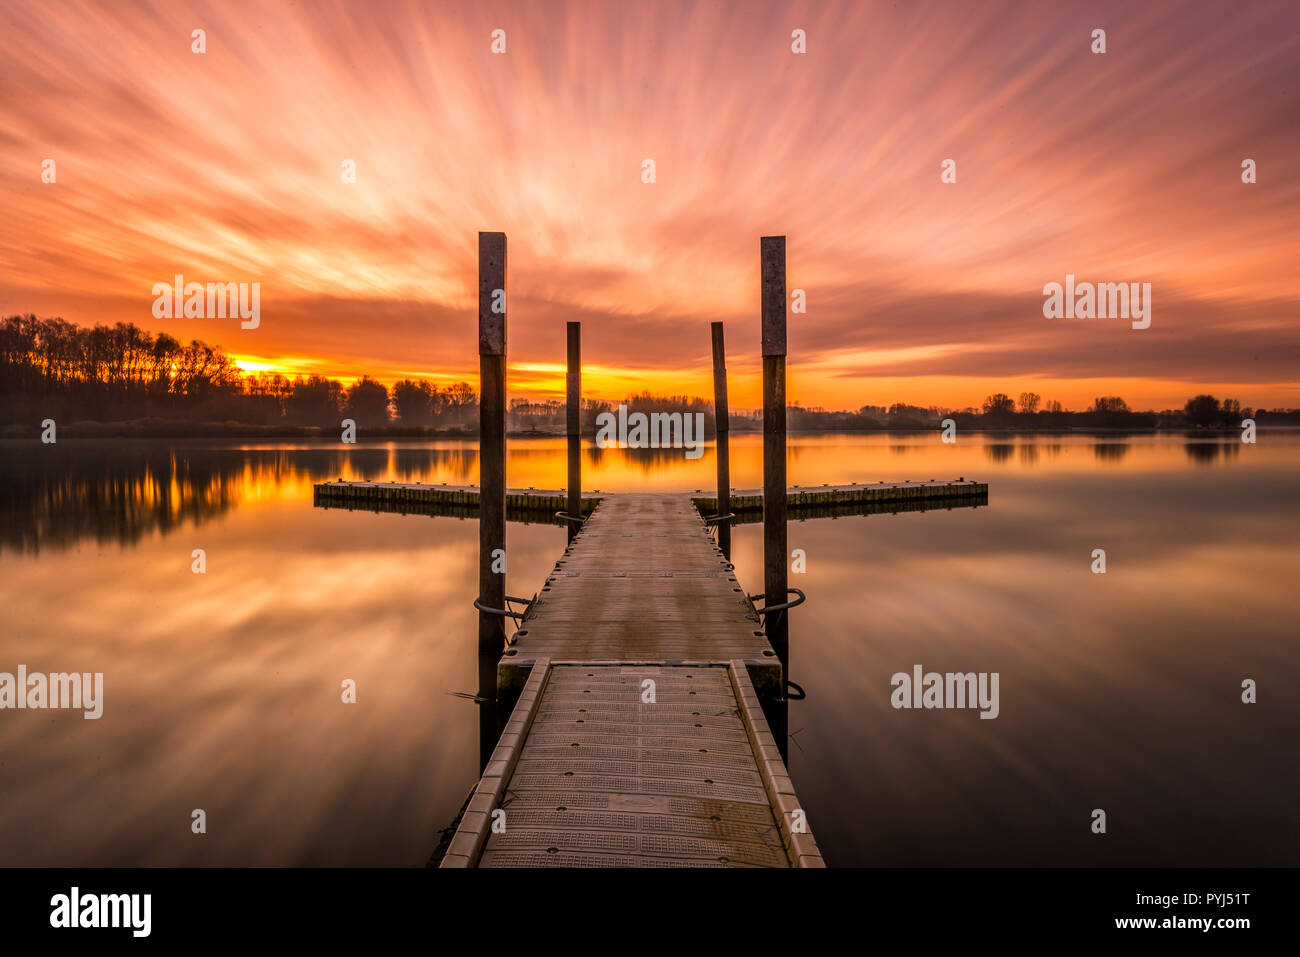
(638, 738)
(639, 673)
(625, 723)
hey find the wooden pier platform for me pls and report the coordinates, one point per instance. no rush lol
(745, 502)
(540, 505)
(460, 501)
(590, 770)
(638, 738)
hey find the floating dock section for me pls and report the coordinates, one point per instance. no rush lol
(457, 501)
(540, 505)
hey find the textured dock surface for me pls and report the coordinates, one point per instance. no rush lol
(590, 774)
(642, 581)
(638, 738)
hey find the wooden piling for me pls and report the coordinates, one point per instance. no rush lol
(772, 256)
(492, 439)
(721, 426)
(573, 390)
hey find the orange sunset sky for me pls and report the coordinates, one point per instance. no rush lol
(1119, 167)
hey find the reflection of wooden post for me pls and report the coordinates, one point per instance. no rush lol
(491, 438)
(772, 254)
(721, 425)
(573, 390)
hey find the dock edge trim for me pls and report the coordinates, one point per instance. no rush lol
(475, 824)
(800, 848)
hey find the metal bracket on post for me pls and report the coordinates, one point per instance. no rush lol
(784, 605)
(519, 616)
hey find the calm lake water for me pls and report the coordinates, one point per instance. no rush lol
(222, 691)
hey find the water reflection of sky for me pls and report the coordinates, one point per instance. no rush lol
(222, 690)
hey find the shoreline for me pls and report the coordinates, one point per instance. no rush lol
(176, 429)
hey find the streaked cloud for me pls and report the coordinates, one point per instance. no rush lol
(1120, 167)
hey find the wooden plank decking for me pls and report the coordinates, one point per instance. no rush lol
(589, 772)
(589, 775)
(642, 581)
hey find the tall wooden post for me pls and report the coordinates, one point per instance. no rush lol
(492, 440)
(723, 430)
(573, 396)
(772, 254)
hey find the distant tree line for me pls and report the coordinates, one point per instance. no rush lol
(50, 368)
(1028, 411)
(43, 357)
(1111, 411)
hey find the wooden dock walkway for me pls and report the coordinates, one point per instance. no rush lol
(638, 677)
(638, 737)
(642, 581)
(587, 772)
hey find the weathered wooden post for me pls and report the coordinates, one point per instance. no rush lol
(722, 428)
(772, 256)
(573, 395)
(492, 441)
